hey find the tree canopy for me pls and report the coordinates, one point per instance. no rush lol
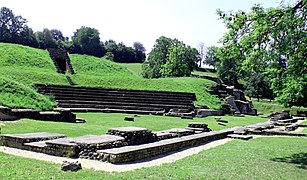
(170, 58)
(269, 40)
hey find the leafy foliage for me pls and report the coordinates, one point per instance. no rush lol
(170, 58)
(258, 85)
(269, 40)
(211, 58)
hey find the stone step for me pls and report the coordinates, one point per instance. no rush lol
(293, 120)
(292, 127)
(237, 136)
(88, 97)
(110, 90)
(97, 106)
(18, 140)
(112, 104)
(108, 110)
(138, 152)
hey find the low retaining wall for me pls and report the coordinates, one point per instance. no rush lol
(133, 153)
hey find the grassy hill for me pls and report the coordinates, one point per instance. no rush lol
(23, 67)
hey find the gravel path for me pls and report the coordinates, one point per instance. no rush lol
(104, 166)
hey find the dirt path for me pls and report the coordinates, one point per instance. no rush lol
(104, 166)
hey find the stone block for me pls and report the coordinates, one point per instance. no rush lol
(237, 136)
(208, 112)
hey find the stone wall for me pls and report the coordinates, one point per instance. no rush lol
(14, 114)
(134, 153)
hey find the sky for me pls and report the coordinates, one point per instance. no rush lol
(127, 21)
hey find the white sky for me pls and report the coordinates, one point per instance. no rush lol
(127, 21)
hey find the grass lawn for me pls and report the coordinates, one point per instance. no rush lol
(99, 123)
(261, 158)
(266, 107)
(135, 68)
(200, 73)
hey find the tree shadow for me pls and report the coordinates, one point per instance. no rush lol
(299, 159)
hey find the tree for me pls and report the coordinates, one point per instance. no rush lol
(140, 52)
(11, 26)
(86, 40)
(156, 58)
(171, 58)
(270, 40)
(211, 56)
(257, 85)
(45, 39)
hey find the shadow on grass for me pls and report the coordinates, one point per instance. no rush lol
(299, 159)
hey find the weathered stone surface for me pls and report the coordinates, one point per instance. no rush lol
(208, 112)
(240, 130)
(18, 140)
(285, 114)
(239, 95)
(245, 107)
(133, 153)
(95, 139)
(292, 127)
(164, 135)
(197, 125)
(180, 131)
(133, 135)
(6, 114)
(61, 60)
(231, 101)
(183, 113)
(71, 166)
(237, 136)
(128, 119)
(279, 132)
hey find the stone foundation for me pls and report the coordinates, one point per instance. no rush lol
(134, 153)
(133, 135)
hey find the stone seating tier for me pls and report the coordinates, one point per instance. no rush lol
(155, 102)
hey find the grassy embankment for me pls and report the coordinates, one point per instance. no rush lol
(27, 66)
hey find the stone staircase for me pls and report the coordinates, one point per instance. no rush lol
(118, 100)
(61, 60)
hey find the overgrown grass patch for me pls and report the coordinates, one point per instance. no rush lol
(17, 95)
(24, 56)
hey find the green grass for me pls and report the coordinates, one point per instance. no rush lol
(266, 107)
(24, 56)
(99, 123)
(17, 95)
(200, 73)
(135, 68)
(261, 158)
(28, 66)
